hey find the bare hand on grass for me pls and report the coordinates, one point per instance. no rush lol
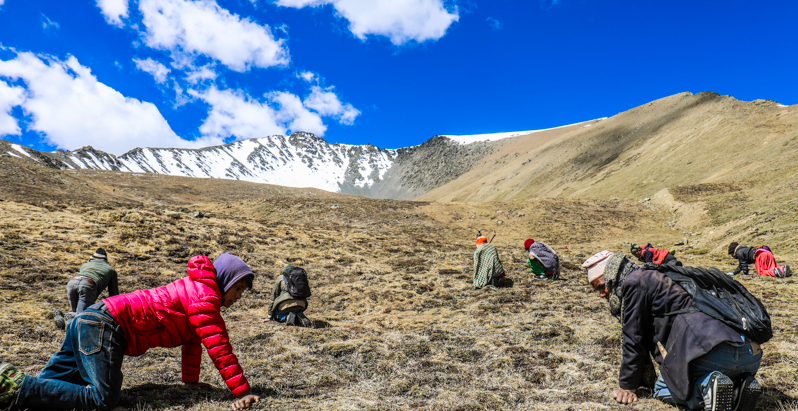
(624, 396)
(245, 402)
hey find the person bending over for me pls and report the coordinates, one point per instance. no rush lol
(761, 257)
(84, 288)
(543, 261)
(86, 373)
(704, 364)
(653, 256)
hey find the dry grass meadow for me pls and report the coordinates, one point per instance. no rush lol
(397, 323)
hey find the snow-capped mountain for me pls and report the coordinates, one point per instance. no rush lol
(298, 160)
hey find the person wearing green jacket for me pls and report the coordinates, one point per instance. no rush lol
(82, 289)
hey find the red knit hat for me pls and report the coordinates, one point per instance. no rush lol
(527, 243)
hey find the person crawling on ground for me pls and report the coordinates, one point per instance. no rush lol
(290, 298)
(86, 373)
(653, 257)
(488, 269)
(84, 288)
(761, 257)
(543, 261)
(704, 363)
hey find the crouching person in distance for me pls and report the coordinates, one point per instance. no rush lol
(653, 257)
(543, 261)
(761, 257)
(84, 288)
(488, 270)
(86, 373)
(704, 364)
(290, 298)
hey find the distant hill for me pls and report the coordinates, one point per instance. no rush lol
(724, 168)
(718, 164)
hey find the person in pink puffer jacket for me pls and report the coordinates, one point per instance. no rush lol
(86, 372)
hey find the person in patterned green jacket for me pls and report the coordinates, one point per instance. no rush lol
(488, 269)
(84, 288)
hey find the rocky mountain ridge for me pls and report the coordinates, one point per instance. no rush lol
(298, 160)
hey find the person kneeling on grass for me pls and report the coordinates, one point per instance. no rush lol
(543, 261)
(704, 364)
(488, 270)
(290, 298)
(86, 373)
(761, 257)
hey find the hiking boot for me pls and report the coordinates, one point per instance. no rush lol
(747, 395)
(290, 319)
(68, 317)
(787, 271)
(58, 319)
(719, 392)
(305, 321)
(10, 381)
(541, 277)
(778, 272)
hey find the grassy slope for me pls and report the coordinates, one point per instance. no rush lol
(733, 161)
(399, 325)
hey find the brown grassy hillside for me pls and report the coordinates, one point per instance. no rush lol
(724, 167)
(399, 326)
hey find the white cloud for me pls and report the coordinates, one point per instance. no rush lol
(114, 11)
(72, 109)
(235, 114)
(400, 20)
(494, 24)
(307, 76)
(295, 115)
(200, 74)
(47, 23)
(10, 97)
(1, 2)
(326, 103)
(203, 27)
(154, 68)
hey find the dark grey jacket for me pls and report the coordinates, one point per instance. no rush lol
(745, 256)
(648, 296)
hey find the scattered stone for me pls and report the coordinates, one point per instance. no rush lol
(500, 222)
(334, 207)
(197, 214)
(615, 199)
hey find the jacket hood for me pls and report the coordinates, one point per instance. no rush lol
(229, 270)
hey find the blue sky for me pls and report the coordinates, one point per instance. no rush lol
(120, 74)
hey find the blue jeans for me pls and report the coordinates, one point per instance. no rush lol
(86, 373)
(81, 294)
(282, 315)
(732, 360)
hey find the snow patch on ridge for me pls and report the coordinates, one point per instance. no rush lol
(468, 139)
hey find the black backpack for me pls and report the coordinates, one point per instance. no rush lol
(722, 298)
(296, 281)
